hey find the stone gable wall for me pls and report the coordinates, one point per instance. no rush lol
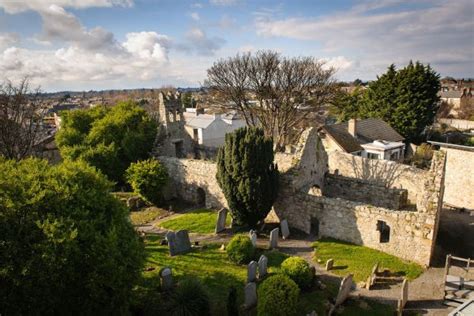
(459, 178)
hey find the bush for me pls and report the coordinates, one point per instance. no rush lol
(67, 245)
(232, 306)
(189, 299)
(298, 270)
(278, 295)
(147, 178)
(240, 249)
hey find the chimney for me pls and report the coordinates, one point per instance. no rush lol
(352, 127)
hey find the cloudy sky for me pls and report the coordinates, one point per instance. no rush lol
(101, 44)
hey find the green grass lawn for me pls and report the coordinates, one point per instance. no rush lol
(217, 273)
(359, 260)
(146, 215)
(199, 221)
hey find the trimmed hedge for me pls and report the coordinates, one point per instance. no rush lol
(277, 296)
(298, 270)
(240, 249)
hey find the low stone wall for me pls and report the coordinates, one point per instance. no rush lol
(459, 178)
(364, 191)
(385, 173)
(190, 178)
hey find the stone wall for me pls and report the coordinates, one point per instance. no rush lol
(459, 178)
(386, 173)
(364, 191)
(412, 233)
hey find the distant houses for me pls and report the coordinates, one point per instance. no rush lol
(370, 138)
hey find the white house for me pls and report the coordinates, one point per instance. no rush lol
(370, 138)
(209, 129)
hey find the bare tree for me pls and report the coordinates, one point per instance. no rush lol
(271, 91)
(21, 116)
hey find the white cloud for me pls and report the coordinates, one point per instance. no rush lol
(148, 45)
(198, 41)
(339, 63)
(223, 2)
(434, 33)
(17, 6)
(195, 16)
(7, 40)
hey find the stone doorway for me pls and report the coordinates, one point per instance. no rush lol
(201, 197)
(179, 149)
(314, 227)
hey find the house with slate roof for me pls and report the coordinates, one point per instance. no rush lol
(369, 138)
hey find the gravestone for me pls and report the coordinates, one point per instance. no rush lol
(329, 264)
(166, 279)
(274, 238)
(250, 295)
(262, 266)
(372, 276)
(171, 238)
(253, 237)
(403, 297)
(221, 220)
(183, 244)
(285, 230)
(344, 290)
(252, 271)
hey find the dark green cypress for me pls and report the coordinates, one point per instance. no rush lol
(247, 175)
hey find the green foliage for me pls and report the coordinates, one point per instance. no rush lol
(407, 99)
(240, 249)
(189, 299)
(359, 260)
(422, 157)
(187, 100)
(66, 243)
(277, 295)
(107, 138)
(347, 105)
(297, 269)
(247, 175)
(147, 178)
(232, 305)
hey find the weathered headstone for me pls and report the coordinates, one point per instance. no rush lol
(274, 238)
(403, 297)
(372, 276)
(262, 266)
(253, 237)
(171, 238)
(250, 295)
(166, 279)
(221, 220)
(252, 271)
(344, 290)
(285, 230)
(329, 264)
(183, 244)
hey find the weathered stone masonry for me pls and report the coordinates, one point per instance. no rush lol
(412, 232)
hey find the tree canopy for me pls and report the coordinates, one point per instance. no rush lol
(271, 91)
(107, 138)
(66, 243)
(407, 99)
(247, 175)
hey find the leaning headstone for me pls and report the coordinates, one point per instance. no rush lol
(274, 238)
(403, 297)
(166, 279)
(250, 295)
(262, 266)
(183, 244)
(171, 238)
(344, 290)
(221, 219)
(253, 237)
(329, 264)
(285, 230)
(372, 276)
(252, 271)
